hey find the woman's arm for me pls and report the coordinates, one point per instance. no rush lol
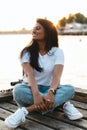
(38, 98)
(58, 69)
(29, 71)
(57, 73)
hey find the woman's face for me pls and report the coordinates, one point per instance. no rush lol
(38, 32)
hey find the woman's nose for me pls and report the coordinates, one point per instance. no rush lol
(33, 30)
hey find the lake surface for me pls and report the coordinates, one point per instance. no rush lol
(75, 51)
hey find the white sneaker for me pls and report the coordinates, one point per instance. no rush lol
(71, 112)
(17, 118)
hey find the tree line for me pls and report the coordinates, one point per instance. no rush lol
(78, 17)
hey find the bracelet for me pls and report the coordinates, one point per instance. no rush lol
(52, 90)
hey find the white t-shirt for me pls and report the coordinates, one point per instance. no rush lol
(47, 62)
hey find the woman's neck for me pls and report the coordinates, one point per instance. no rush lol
(42, 48)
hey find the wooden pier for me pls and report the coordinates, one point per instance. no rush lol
(51, 121)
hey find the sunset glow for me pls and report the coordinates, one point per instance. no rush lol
(16, 14)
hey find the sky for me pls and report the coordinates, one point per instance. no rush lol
(18, 14)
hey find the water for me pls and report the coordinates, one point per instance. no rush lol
(75, 51)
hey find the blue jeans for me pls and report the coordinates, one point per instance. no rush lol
(22, 94)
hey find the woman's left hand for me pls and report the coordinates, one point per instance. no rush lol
(49, 99)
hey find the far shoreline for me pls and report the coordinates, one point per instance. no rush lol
(29, 32)
(15, 32)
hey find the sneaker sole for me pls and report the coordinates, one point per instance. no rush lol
(9, 125)
(6, 122)
(76, 117)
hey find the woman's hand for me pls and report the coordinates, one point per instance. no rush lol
(39, 102)
(49, 100)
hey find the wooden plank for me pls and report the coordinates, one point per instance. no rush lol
(44, 123)
(31, 125)
(6, 98)
(79, 123)
(3, 127)
(8, 106)
(6, 95)
(12, 107)
(44, 120)
(79, 104)
(55, 120)
(80, 95)
(28, 125)
(81, 90)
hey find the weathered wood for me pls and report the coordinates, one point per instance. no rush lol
(81, 91)
(29, 125)
(55, 120)
(51, 121)
(79, 123)
(41, 123)
(6, 95)
(3, 127)
(6, 98)
(80, 95)
(78, 104)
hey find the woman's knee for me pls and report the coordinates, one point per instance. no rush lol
(69, 90)
(17, 91)
(22, 94)
(63, 94)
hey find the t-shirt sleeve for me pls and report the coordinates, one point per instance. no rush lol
(25, 57)
(59, 55)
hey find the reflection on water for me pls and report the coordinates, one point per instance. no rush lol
(75, 51)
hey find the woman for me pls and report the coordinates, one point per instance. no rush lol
(42, 63)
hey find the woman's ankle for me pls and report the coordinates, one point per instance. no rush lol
(31, 108)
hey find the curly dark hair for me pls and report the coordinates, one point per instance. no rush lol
(51, 41)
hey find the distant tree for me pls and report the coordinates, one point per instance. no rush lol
(71, 18)
(62, 22)
(80, 18)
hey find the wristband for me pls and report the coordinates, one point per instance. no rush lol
(52, 90)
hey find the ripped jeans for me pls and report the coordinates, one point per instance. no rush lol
(22, 94)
